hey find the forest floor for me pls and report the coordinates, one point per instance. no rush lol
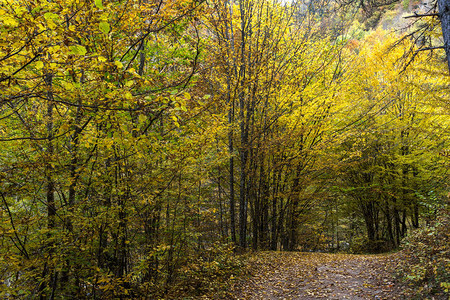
(297, 275)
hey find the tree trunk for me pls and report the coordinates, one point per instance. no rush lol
(444, 16)
(50, 195)
(231, 175)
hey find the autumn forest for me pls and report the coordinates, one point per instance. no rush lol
(150, 148)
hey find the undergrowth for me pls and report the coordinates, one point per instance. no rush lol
(426, 256)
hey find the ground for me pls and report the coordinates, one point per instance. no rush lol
(297, 275)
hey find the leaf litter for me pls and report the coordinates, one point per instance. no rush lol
(299, 275)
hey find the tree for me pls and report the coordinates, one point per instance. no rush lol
(424, 34)
(89, 113)
(386, 163)
(271, 66)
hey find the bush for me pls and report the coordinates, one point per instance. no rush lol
(427, 255)
(208, 275)
(363, 245)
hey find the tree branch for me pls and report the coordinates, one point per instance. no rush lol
(416, 15)
(20, 69)
(430, 48)
(22, 247)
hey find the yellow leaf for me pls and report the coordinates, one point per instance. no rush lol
(118, 64)
(39, 65)
(142, 118)
(51, 16)
(8, 21)
(128, 95)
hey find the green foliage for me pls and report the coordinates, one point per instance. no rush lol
(210, 274)
(426, 255)
(373, 21)
(406, 4)
(361, 245)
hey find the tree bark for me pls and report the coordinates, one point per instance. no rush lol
(231, 175)
(444, 16)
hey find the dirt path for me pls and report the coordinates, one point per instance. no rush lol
(294, 275)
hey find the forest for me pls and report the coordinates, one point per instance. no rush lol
(149, 147)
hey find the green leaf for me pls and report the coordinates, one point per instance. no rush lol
(142, 119)
(51, 16)
(99, 4)
(78, 50)
(104, 27)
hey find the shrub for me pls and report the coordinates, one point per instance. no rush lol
(209, 274)
(427, 255)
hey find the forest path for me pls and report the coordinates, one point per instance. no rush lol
(297, 275)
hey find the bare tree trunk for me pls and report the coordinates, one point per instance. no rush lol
(243, 117)
(51, 206)
(444, 16)
(231, 178)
